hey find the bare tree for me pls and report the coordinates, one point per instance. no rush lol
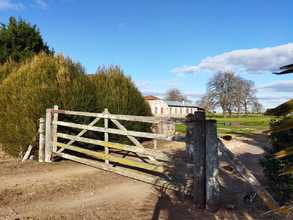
(248, 96)
(231, 93)
(175, 95)
(245, 95)
(207, 102)
(223, 88)
(257, 107)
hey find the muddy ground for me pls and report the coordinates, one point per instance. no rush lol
(68, 190)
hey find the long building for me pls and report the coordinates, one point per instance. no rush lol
(172, 109)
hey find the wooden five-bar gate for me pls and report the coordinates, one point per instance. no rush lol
(63, 133)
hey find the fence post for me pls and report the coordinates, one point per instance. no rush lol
(189, 140)
(54, 129)
(199, 159)
(212, 165)
(48, 136)
(106, 135)
(41, 139)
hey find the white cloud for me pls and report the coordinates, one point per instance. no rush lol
(256, 60)
(10, 5)
(41, 3)
(285, 86)
(17, 5)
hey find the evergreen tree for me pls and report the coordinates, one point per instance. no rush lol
(20, 40)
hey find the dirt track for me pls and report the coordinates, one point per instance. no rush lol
(68, 190)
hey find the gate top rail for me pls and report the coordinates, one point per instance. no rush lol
(146, 119)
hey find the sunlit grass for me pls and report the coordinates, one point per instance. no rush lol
(253, 123)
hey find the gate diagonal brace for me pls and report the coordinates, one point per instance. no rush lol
(131, 138)
(79, 134)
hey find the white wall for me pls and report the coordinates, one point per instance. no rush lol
(161, 109)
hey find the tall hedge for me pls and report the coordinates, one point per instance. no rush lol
(118, 93)
(37, 84)
(7, 68)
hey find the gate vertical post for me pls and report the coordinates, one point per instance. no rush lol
(189, 140)
(199, 159)
(212, 166)
(41, 140)
(106, 135)
(48, 136)
(54, 129)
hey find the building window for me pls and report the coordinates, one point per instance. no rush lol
(156, 110)
(186, 110)
(162, 110)
(180, 110)
(175, 110)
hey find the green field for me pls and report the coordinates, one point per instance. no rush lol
(254, 123)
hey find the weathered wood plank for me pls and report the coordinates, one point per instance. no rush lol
(249, 177)
(212, 167)
(115, 131)
(157, 181)
(106, 135)
(146, 119)
(144, 151)
(82, 132)
(41, 140)
(103, 156)
(131, 138)
(48, 136)
(27, 153)
(199, 159)
(54, 129)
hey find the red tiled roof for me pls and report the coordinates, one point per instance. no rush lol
(151, 97)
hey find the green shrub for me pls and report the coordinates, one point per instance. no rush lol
(37, 84)
(283, 109)
(7, 68)
(118, 93)
(19, 40)
(280, 185)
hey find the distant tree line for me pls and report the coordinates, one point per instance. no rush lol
(230, 93)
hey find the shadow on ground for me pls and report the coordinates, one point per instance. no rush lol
(235, 192)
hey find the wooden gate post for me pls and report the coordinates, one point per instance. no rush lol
(54, 129)
(189, 140)
(199, 159)
(212, 165)
(48, 136)
(106, 135)
(41, 140)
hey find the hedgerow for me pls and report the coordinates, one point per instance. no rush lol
(37, 84)
(117, 93)
(29, 88)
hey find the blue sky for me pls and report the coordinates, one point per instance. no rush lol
(177, 43)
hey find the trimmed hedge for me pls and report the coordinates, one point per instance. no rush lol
(7, 68)
(115, 91)
(37, 84)
(118, 93)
